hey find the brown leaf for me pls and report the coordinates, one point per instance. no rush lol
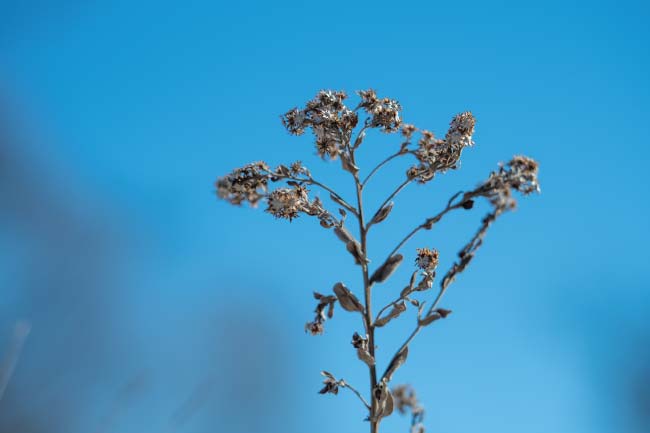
(348, 165)
(397, 361)
(354, 248)
(429, 319)
(397, 309)
(366, 357)
(411, 287)
(343, 234)
(348, 301)
(388, 405)
(384, 271)
(382, 213)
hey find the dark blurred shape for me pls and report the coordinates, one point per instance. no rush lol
(247, 388)
(21, 331)
(59, 266)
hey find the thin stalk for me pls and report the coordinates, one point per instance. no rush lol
(380, 165)
(428, 223)
(363, 400)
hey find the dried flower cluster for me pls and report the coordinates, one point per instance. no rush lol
(333, 126)
(437, 156)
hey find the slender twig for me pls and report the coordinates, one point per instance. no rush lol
(380, 165)
(466, 254)
(428, 223)
(351, 388)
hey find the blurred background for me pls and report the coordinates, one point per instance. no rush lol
(131, 300)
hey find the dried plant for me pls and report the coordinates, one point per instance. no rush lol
(334, 125)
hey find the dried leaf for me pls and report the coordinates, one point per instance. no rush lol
(348, 301)
(397, 361)
(343, 234)
(382, 213)
(397, 309)
(366, 357)
(439, 313)
(411, 287)
(347, 164)
(354, 248)
(389, 405)
(385, 270)
(359, 139)
(429, 319)
(283, 170)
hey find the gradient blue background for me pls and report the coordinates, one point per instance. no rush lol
(156, 308)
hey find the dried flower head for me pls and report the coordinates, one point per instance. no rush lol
(315, 328)
(461, 130)
(520, 174)
(248, 183)
(331, 385)
(436, 155)
(427, 259)
(329, 119)
(359, 342)
(287, 202)
(408, 130)
(384, 112)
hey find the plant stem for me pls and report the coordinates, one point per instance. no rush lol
(374, 425)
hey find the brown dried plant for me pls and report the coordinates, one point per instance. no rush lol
(333, 125)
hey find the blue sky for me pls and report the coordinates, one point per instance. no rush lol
(130, 110)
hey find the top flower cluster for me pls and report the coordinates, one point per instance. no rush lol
(332, 122)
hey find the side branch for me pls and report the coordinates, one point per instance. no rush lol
(466, 255)
(429, 222)
(392, 196)
(358, 394)
(335, 196)
(380, 165)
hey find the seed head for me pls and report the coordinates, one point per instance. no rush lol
(427, 259)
